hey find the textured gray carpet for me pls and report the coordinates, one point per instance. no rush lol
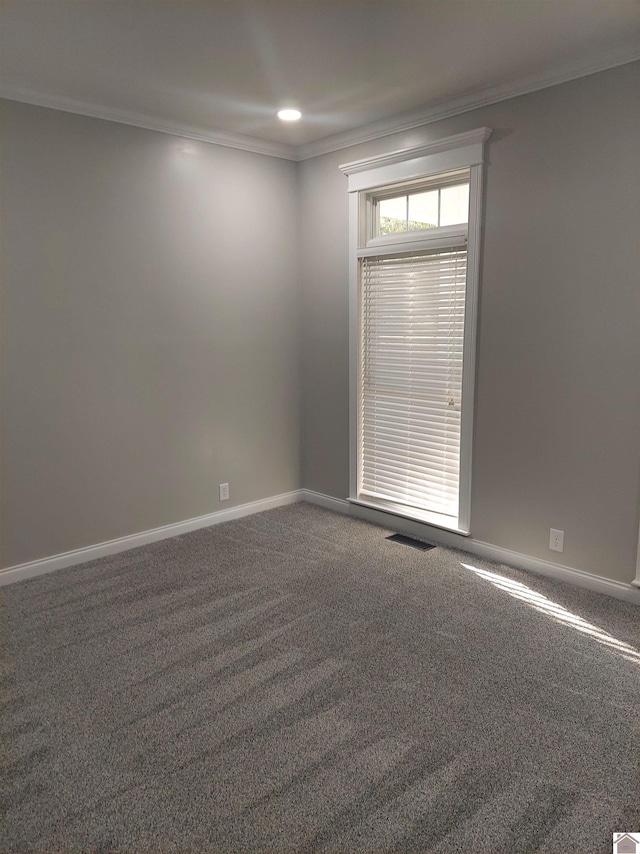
(293, 682)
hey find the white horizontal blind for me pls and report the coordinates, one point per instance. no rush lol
(411, 378)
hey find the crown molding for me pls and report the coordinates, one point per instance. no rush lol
(366, 133)
(447, 109)
(98, 111)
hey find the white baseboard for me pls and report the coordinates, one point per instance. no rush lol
(337, 504)
(597, 583)
(617, 589)
(34, 568)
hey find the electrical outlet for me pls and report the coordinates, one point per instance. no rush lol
(224, 492)
(556, 540)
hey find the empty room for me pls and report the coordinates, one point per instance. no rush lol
(320, 426)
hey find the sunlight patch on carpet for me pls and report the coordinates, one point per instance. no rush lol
(557, 612)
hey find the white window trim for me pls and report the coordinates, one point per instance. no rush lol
(462, 151)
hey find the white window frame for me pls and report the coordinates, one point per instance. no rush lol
(463, 151)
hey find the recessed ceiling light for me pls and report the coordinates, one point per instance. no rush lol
(289, 115)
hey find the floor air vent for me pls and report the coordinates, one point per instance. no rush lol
(409, 541)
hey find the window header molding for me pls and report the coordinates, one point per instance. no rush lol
(442, 155)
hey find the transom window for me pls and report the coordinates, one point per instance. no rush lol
(421, 209)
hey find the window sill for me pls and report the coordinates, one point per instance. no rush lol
(436, 520)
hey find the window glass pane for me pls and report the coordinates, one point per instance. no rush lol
(423, 210)
(454, 204)
(392, 215)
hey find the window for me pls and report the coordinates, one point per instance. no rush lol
(422, 209)
(415, 225)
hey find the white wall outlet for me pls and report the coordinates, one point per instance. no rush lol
(556, 540)
(224, 492)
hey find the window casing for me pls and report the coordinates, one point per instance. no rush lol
(413, 306)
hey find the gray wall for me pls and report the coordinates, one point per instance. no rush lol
(152, 345)
(150, 330)
(557, 438)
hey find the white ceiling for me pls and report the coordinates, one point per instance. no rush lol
(219, 69)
